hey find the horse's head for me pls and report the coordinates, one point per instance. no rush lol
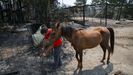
(63, 30)
(56, 32)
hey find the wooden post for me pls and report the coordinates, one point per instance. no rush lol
(119, 15)
(106, 8)
(84, 12)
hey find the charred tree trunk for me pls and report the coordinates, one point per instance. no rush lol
(20, 13)
(120, 12)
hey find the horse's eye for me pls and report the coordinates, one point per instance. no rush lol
(53, 33)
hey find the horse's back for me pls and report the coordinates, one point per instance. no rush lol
(105, 33)
(90, 37)
(86, 38)
(102, 30)
(96, 28)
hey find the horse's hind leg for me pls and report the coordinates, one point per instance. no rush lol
(104, 51)
(109, 49)
(79, 56)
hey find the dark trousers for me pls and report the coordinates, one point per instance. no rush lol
(57, 57)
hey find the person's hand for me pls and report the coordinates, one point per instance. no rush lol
(47, 51)
(43, 53)
(46, 41)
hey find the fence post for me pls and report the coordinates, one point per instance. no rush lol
(106, 8)
(84, 13)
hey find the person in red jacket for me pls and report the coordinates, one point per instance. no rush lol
(56, 46)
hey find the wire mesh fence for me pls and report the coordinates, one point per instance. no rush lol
(100, 13)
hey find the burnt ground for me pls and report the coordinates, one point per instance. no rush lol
(17, 57)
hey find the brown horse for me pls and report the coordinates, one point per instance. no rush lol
(85, 39)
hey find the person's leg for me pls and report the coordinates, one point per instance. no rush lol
(57, 58)
(60, 62)
(60, 51)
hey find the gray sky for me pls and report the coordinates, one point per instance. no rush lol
(71, 2)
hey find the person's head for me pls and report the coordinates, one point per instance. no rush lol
(44, 30)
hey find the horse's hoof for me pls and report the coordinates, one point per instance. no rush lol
(108, 62)
(79, 67)
(102, 61)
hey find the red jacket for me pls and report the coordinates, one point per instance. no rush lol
(57, 42)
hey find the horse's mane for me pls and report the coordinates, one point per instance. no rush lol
(67, 31)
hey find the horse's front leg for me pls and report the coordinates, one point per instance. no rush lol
(81, 59)
(77, 58)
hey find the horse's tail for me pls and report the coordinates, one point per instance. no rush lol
(112, 39)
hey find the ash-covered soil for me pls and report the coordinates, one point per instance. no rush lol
(17, 57)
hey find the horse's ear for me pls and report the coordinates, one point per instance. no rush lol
(57, 25)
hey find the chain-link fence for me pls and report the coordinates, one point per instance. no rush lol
(100, 13)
